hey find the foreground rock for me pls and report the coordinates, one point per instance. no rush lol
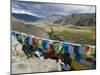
(24, 65)
(20, 63)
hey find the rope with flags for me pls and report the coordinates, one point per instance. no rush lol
(77, 51)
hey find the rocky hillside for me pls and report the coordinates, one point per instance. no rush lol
(82, 19)
(78, 19)
(17, 25)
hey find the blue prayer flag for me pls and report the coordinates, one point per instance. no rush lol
(45, 44)
(65, 47)
(27, 40)
(76, 49)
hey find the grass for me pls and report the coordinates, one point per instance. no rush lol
(74, 34)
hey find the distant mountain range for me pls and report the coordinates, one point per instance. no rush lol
(82, 19)
(25, 17)
(50, 19)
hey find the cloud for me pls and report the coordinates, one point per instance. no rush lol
(46, 9)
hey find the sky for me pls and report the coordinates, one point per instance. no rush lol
(46, 9)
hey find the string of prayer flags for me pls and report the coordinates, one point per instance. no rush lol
(13, 36)
(86, 49)
(76, 49)
(30, 41)
(40, 43)
(40, 40)
(81, 51)
(20, 38)
(37, 43)
(77, 57)
(67, 60)
(71, 49)
(51, 46)
(56, 48)
(13, 33)
(91, 51)
(33, 41)
(65, 47)
(60, 47)
(62, 51)
(48, 44)
(40, 36)
(45, 44)
(26, 40)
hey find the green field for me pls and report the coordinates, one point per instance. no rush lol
(73, 34)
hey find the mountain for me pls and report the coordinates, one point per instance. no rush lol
(25, 17)
(81, 19)
(50, 19)
(17, 25)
